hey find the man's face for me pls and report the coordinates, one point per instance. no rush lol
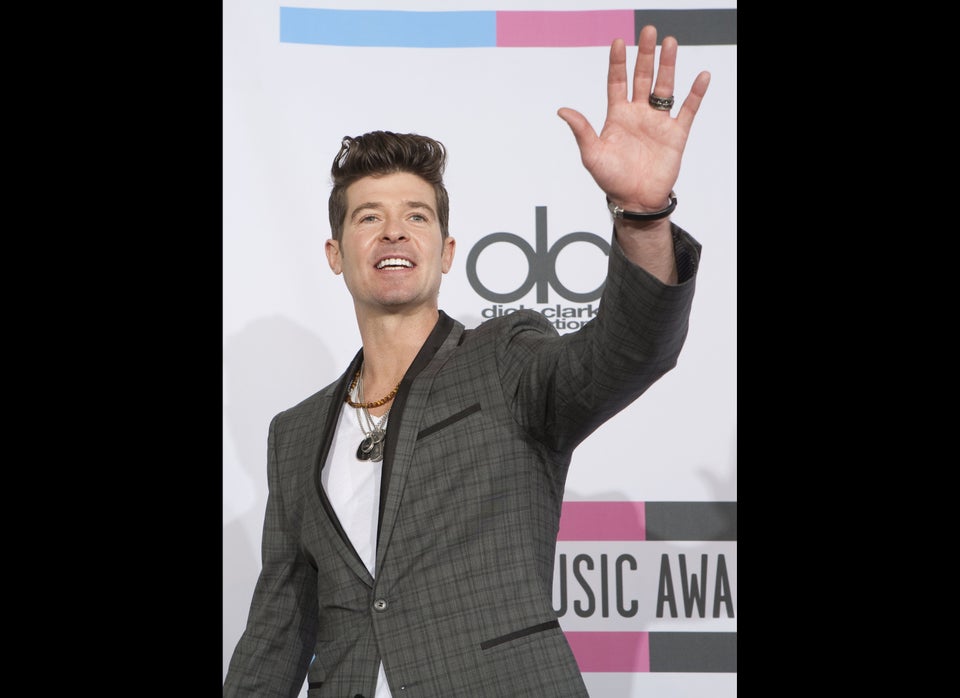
(392, 254)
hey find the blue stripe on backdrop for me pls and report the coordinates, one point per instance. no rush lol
(387, 28)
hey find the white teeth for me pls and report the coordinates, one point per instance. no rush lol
(393, 262)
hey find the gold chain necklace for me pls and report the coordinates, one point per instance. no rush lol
(369, 405)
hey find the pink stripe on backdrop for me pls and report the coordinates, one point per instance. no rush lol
(590, 28)
(602, 521)
(610, 652)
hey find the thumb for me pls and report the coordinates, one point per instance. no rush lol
(582, 130)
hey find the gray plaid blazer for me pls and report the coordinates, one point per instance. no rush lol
(480, 438)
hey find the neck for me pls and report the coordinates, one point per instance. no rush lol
(390, 344)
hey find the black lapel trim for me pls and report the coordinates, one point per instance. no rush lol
(329, 427)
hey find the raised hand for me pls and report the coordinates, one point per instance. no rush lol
(636, 158)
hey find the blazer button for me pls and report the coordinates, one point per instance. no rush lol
(380, 605)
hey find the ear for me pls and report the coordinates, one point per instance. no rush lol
(332, 248)
(446, 256)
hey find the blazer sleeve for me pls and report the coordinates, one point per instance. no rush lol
(274, 652)
(563, 387)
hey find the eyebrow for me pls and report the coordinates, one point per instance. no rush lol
(379, 205)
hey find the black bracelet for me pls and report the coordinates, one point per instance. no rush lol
(652, 216)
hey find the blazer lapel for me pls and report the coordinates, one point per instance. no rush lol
(409, 403)
(341, 540)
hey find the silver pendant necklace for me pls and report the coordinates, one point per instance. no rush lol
(374, 430)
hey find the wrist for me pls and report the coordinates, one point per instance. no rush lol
(620, 213)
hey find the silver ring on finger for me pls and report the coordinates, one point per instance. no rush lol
(661, 103)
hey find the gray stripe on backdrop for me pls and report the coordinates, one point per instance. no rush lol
(691, 520)
(693, 652)
(690, 27)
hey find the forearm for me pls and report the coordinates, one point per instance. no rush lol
(650, 245)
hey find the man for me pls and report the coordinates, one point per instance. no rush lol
(414, 503)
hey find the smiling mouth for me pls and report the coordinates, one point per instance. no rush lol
(394, 263)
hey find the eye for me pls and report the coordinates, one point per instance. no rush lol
(368, 218)
(419, 217)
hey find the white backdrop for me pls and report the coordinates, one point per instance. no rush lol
(288, 322)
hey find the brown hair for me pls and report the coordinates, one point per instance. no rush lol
(380, 153)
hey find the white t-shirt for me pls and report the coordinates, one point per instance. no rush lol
(353, 488)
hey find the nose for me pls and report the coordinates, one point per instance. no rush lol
(394, 231)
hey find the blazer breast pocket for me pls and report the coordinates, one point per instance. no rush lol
(452, 419)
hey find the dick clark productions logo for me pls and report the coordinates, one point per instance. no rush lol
(541, 263)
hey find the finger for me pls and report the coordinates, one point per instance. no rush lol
(617, 73)
(666, 73)
(643, 70)
(691, 104)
